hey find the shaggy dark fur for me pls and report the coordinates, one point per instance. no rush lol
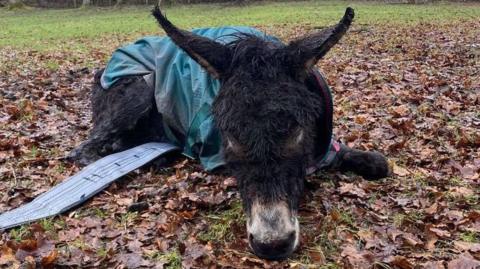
(267, 116)
(261, 120)
(123, 117)
(263, 105)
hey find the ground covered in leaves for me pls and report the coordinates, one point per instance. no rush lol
(410, 91)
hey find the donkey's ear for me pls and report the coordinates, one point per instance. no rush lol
(211, 55)
(304, 53)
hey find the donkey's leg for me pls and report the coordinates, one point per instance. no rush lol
(122, 114)
(370, 165)
(150, 129)
(115, 114)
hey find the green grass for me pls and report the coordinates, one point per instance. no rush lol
(173, 259)
(102, 252)
(67, 29)
(19, 233)
(221, 223)
(127, 219)
(470, 236)
(323, 242)
(80, 244)
(99, 212)
(52, 224)
(400, 219)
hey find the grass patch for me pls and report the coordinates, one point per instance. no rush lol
(457, 181)
(19, 233)
(52, 65)
(330, 266)
(305, 261)
(173, 259)
(34, 152)
(411, 217)
(68, 29)
(102, 252)
(100, 213)
(326, 240)
(26, 111)
(60, 168)
(127, 219)
(398, 220)
(328, 247)
(420, 180)
(221, 223)
(52, 224)
(470, 236)
(80, 244)
(472, 200)
(343, 217)
(347, 218)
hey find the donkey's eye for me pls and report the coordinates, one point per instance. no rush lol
(233, 145)
(295, 140)
(296, 137)
(299, 138)
(230, 144)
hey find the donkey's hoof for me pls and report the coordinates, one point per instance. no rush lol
(369, 165)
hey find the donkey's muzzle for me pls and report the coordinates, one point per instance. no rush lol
(273, 230)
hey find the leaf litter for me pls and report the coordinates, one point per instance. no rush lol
(411, 92)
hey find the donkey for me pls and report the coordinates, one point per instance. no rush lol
(270, 118)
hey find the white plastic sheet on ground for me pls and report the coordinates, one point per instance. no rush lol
(82, 186)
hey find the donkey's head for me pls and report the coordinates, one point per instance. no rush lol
(268, 119)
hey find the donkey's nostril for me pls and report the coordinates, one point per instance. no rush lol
(291, 236)
(274, 249)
